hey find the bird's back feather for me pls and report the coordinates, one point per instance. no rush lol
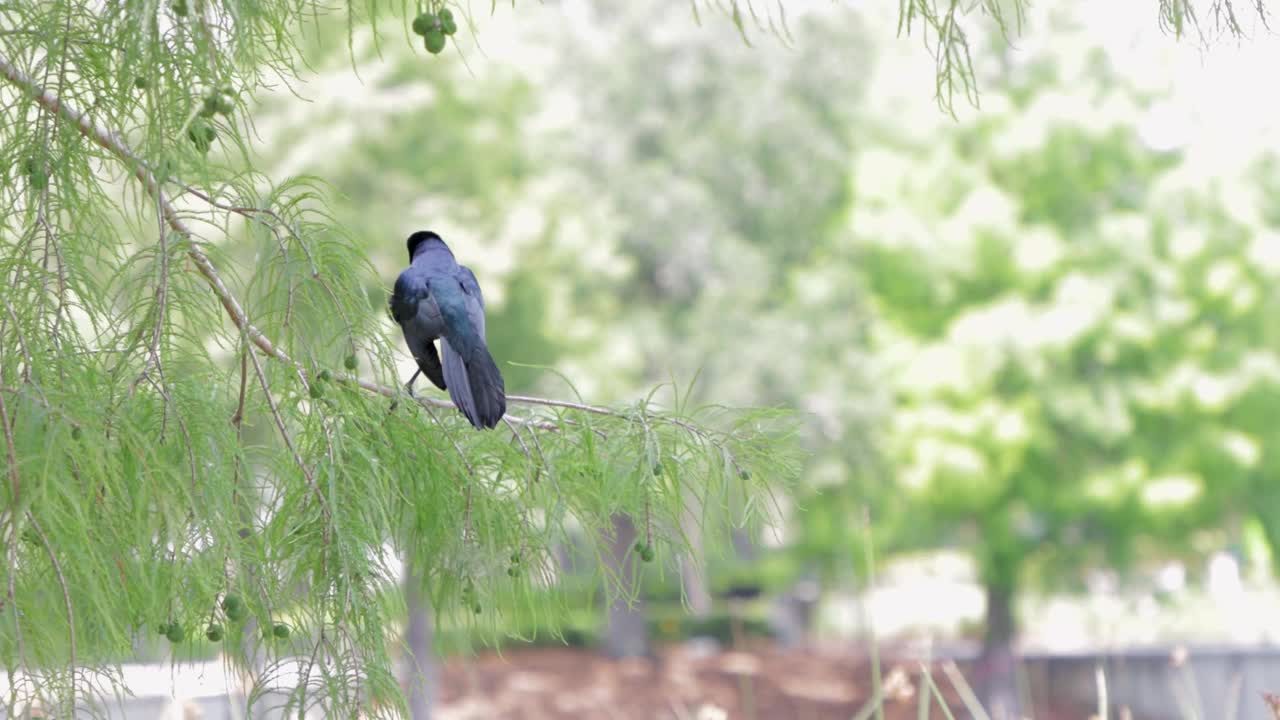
(437, 297)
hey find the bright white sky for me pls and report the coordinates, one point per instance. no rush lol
(1222, 98)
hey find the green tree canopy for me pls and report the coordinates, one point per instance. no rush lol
(199, 387)
(1078, 326)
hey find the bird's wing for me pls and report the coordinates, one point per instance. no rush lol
(405, 297)
(475, 305)
(424, 351)
(475, 383)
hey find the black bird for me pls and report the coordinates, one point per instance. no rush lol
(438, 298)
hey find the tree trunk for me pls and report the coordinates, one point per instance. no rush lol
(996, 672)
(419, 679)
(744, 546)
(791, 612)
(625, 635)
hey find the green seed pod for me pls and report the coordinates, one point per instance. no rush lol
(352, 362)
(176, 633)
(214, 633)
(647, 554)
(179, 7)
(202, 134)
(281, 631)
(316, 391)
(657, 468)
(446, 15)
(433, 41)
(744, 474)
(164, 168)
(448, 27)
(234, 608)
(141, 83)
(475, 607)
(223, 105)
(512, 572)
(210, 107)
(163, 628)
(639, 546)
(424, 23)
(324, 375)
(76, 433)
(34, 169)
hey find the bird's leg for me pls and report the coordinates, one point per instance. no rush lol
(407, 386)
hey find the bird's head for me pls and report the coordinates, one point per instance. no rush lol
(422, 239)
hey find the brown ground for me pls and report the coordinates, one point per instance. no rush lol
(759, 681)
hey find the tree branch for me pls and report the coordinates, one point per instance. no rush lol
(15, 482)
(112, 143)
(66, 597)
(109, 141)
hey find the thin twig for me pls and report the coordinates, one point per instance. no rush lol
(538, 446)
(13, 599)
(255, 215)
(15, 486)
(515, 433)
(284, 431)
(22, 340)
(238, 418)
(471, 473)
(157, 331)
(42, 209)
(66, 598)
(182, 426)
(15, 483)
(594, 409)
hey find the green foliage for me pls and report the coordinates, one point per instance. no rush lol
(1079, 339)
(180, 447)
(956, 32)
(721, 207)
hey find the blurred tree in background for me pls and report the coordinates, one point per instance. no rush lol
(1077, 324)
(731, 183)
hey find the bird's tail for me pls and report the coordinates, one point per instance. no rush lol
(475, 385)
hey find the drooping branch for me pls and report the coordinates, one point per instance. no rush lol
(66, 596)
(114, 144)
